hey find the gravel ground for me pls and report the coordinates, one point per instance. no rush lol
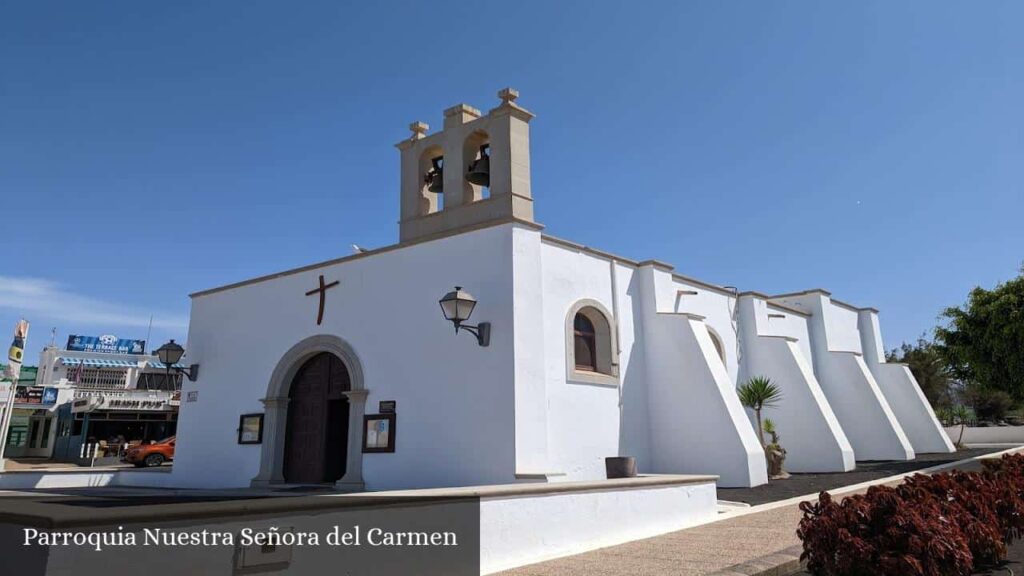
(802, 484)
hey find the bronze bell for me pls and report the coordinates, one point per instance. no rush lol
(435, 176)
(480, 170)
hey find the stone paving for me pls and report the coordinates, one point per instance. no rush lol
(702, 550)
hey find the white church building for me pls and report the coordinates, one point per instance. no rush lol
(348, 372)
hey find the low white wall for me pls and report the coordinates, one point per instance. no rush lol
(912, 408)
(987, 435)
(862, 410)
(84, 479)
(522, 530)
(518, 524)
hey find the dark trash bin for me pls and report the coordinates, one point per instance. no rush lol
(620, 467)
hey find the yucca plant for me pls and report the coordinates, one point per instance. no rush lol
(771, 430)
(960, 414)
(757, 394)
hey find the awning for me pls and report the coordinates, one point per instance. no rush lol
(98, 362)
(158, 364)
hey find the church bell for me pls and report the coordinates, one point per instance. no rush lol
(480, 170)
(434, 178)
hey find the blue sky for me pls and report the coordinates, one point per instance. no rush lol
(152, 149)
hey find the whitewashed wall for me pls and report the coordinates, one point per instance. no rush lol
(809, 429)
(589, 422)
(675, 408)
(902, 391)
(696, 419)
(718, 310)
(455, 399)
(851, 389)
(841, 332)
(791, 325)
(532, 453)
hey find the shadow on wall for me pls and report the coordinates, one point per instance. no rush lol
(634, 420)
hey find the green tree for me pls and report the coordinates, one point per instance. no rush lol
(757, 394)
(983, 340)
(929, 368)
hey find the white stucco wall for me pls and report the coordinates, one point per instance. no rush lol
(718, 310)
(529, 349)
(455, 399)
(808, 428)
(584, 427)
(696, 420)
(841, 328)
(851, 389)
(902, 391)
(524, 530)
(589, 422)
(772, 320)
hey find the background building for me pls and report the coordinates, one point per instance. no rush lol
(96, 389)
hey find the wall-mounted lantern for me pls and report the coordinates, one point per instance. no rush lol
(457, 307)
(169, 354)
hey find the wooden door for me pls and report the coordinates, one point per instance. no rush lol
(317, 430)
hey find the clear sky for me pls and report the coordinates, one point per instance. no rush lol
(153, 149)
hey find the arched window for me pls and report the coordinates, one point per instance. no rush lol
(591, 351)
(717, 341)
(585, 343)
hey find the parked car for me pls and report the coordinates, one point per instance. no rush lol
(150, 454)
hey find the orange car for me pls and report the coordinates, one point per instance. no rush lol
(150, 454)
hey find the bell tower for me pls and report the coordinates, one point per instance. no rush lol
(474, 171)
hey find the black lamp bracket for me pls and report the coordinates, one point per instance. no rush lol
(192, 372)
(482, 331)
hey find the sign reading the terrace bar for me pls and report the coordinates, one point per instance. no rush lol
(106, 343)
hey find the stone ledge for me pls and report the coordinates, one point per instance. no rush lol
(501, 490)
(54, 511)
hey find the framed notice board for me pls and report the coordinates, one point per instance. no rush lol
(378, 433)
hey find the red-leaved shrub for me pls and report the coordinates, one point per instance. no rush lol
(964, 498)
(880, 533)
(938, 525)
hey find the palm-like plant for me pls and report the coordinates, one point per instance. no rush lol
(771, 430)
(757, 394)
(960, 414)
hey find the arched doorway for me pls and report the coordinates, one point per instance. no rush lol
(278, 413)
(316, 438)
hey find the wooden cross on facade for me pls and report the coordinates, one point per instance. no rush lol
(323, 297)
